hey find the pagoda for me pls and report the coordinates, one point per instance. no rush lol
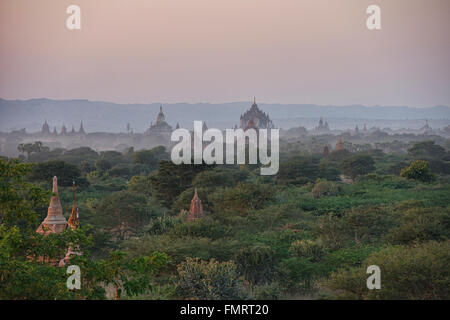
(73, 224)
(81, 131)
(339, 145)
(196, 209)
(55, 221)
(45, 128)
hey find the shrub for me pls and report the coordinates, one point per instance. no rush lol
(208, 280)
(256, 263)
(312, 250)
(325, 188)
(418, 170)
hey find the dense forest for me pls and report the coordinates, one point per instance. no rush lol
(308, 232)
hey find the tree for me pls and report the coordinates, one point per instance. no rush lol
(170, 180)
(66, 173)
(418, 170)
(256, 263)
(123, 213)
(298, 170)
(244, 197)
(208, 280)
(102, 165)
(357, 165)
(325, 188)
(426, 150)
(151, 158)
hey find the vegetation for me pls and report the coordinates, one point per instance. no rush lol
(309, 232)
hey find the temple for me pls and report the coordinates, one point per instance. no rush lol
(255, 118)
(339, 145)
(55, 221)
(45, 128)
(323, 126)
(196, 209)
(161, 127)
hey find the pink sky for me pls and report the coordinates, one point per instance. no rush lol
(287, 51)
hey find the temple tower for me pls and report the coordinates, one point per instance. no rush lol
(55, 221)
(339, 145)
(45, 128)
(73, 224)
(326, 152)
(74, 217)
(196, 209)
(81, 131)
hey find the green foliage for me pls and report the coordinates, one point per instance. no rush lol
(140, 184)
(298, 170)
(418, 170)
(151, 158)
(256, 263)
(208, 280)
(204, 227)
(161, 225)
(244, 197)
(418, 272)
(426, 150)
(102, 164)
(357, 165)
(419, 224)
(170, 180)
(67, 173)
(123, 213)
(18, 198)
(355, 226)
(312, 250)
(325, 188)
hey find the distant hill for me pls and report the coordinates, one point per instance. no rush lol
(112, 117)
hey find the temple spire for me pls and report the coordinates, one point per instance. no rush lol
(196, 209)
(55, 185)
(74, 218)
(55, 221)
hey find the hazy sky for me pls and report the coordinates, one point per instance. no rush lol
(287, 51)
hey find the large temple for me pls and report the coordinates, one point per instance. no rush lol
(255, 118)
(161, 127)
(323, 126)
